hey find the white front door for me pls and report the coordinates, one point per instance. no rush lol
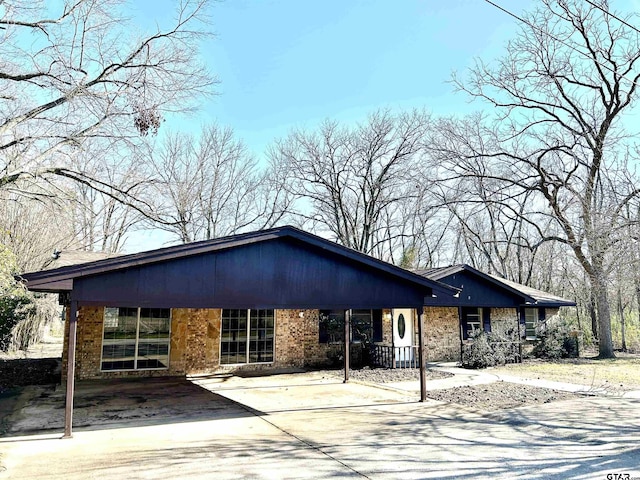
(402, 335)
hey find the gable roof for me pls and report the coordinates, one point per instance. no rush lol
(529, 295)
(61, 279)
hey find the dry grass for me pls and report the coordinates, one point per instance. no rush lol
(622, 372)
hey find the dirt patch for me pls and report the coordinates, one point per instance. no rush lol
(388, 375)
(491, 396)
(498, 395)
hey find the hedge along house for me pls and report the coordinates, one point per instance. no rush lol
(254, 300)
(487, 301)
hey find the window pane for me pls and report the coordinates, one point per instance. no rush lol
(122, 328)
(261, 336)
(233, 346)
(361, 326)
(530, 322)
(331, 328)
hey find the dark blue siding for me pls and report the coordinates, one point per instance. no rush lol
(477, 292)
(279, 273)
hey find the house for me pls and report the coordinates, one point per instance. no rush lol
(488, 301)
(259, 300)
(268, 300)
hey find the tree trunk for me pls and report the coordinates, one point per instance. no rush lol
(599, 288)
(592, 313)
(621, 313)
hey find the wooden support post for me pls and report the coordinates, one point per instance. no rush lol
(71, 369)
(421, 355)
(347, 343)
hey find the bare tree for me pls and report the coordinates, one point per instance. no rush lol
(559, 97)
(354, 183)
(31, 229)
(99, 220)
(210, 185)
(82, 75)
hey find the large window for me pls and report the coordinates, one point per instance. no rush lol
(247, 336)
(136, 338)
(366, 326)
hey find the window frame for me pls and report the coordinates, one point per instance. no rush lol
(536, 320)
(136, 344)
(466, 313)
(248, 353)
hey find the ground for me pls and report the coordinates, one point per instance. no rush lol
(312, 425)
(490, 396)
(622, 373)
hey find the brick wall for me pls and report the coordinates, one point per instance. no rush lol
(442, 334)
(194, 344)
(318, 354)
(88, 342)
(195, 341)
(504, 316)
(290, 337)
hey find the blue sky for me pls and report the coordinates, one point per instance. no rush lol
(293, 63)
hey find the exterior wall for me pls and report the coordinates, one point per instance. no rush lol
(387, 327)
(195, 344)
(442, 334)
(318, 354)
(195, 341)
(195, 347)
(504, 318)
(290, 337)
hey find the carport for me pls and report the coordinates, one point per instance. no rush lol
(279, 270)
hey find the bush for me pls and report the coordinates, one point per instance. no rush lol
(478, 354)
(22, 314)
(555, 342)
(497, 347)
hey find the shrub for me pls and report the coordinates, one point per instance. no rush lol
(22, 314)
(16, 310)
(497, 347)
(555, 342)
(478, 354)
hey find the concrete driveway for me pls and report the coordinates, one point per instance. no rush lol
(309, 426)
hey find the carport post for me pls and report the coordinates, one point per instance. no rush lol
(421, 356)
(347, 343)
(71, 369)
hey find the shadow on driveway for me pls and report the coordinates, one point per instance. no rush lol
(116, 403)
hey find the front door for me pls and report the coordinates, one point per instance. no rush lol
(402, 336)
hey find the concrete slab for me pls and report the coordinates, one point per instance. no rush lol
(306, 426)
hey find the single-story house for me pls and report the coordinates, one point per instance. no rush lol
(259, 300)
(267, 300)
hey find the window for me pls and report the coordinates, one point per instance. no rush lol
(247, 336)
(366, 326)
(530, 323)
(471, 321)
(331, 326)
(136, 338)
